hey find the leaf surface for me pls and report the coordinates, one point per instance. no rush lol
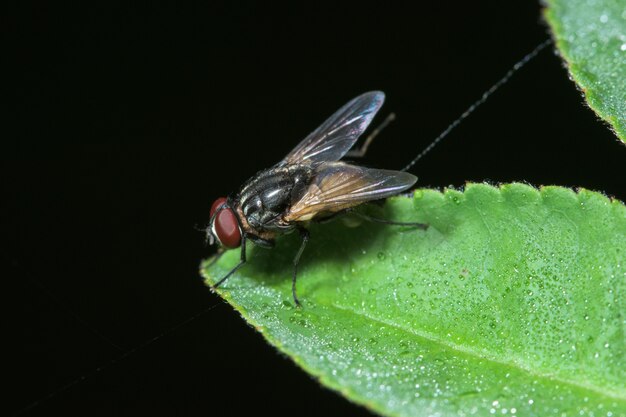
(512, 302)
(591, 37)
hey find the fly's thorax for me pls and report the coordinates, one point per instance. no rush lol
(269, 194)
(251, 233)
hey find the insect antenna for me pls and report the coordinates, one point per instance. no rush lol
(516, 67)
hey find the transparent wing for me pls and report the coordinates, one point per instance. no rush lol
(335, 136)
(338, 186)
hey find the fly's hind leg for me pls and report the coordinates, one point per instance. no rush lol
(242, 260)
(304, 234)
(359, 153)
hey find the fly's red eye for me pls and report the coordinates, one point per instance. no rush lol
(227, 229)
(216, 204)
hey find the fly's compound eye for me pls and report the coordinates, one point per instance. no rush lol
(216, 204)
(225, 225)
(227, 229)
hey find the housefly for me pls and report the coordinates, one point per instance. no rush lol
(311, 183)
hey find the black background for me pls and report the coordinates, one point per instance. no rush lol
(125, 123)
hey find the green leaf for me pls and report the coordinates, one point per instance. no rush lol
(591, 37)
(513, 301)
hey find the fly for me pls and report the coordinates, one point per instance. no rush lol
(310, 184)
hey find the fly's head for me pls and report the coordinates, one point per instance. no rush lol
(224, 227)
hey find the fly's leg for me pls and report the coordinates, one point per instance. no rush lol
(304, 234)
(242, 260)
(422, 226)
(359, 153)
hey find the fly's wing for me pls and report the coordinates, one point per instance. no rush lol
(338, 186)
(335, 136)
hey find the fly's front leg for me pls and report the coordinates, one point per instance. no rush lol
(304, 234)
(422, 226)
(242, 260)
(360, 153)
